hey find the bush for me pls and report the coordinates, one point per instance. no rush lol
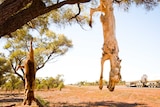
(60, 86)
(50, 82)
(13, 83)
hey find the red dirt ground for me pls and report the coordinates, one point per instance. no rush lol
(90, 96)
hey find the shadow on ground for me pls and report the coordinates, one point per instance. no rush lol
(11, 100)
(99, 104)
(10, 97)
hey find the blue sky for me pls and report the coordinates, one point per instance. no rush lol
(138, 35)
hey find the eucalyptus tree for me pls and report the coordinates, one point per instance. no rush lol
(47, 47)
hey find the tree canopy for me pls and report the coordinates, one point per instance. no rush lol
(15, 13)
(47, 47)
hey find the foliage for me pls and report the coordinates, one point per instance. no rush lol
(50, 82)
(47, 47)
(13, 83)
(4, 68)
(85, 83)
(148, 5)
(61, 16)
(122, 83)
(126, 4)
(60, 86)
(32, 9)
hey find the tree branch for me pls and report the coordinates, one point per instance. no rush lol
(48, 58)
(78, 11)
(12, 22)
(117, 1)
(15, 71)
(10, 7)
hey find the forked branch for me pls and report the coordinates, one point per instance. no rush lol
(79, 11)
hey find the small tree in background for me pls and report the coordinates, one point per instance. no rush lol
(5, 68)
(50, 83)
(13, 83)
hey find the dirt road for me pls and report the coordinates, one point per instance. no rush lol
(91, 96)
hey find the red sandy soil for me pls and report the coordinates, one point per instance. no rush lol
(89, 96)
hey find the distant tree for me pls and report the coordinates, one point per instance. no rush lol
(58, 80)
(39, 84)
(86, 83)
(50, 82)
(122, 82)
(60, 86)
(12, 83)
(4, 68)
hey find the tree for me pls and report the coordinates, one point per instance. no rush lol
(13, 82)
(46, 48)
(50, 82)
(59, 82)
(4, 68)
(19, 12)
(15, 13)
(47, 45)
